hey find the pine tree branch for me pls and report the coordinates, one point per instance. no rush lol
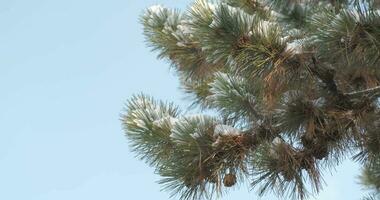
(251, 107)
(224, 52)
(326, 76)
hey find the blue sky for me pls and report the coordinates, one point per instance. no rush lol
(66, 68)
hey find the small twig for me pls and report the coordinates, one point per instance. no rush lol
(375, 91)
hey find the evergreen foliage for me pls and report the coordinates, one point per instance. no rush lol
(294, 86)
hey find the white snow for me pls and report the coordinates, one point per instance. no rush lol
(139, 122)
(265, 25)
(183, 33)
(225, 130)
(250, 33)
(284, 39)
(150, 21)
(356, 15)
(319, 102)
(194, 116)
(276, 14)
(174, 136)
(216, 143)
(159, 122)
(141, 101)
(195, 135)
(184, 29)
(327, 5)
(204, 48)
(181, 44)
(213, 24)
(277, 140)
(152, 12)
(295, 47)
(157, 110)
(211, 6)
(156, 9)
(167, 28)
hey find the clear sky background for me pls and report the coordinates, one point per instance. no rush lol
(66, 68)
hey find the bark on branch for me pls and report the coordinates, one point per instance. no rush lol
(326, 76)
